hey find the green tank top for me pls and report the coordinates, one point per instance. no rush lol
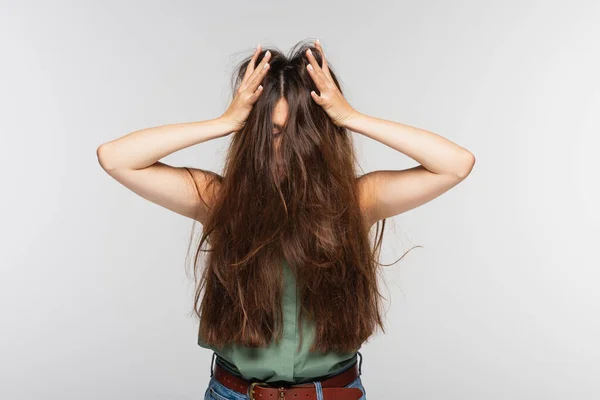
(279, 363)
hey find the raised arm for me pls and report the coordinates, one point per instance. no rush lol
(132, 160)
(386, 193)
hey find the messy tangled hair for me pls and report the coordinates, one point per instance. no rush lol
(309, 219)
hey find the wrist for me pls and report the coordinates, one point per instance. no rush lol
(226, 125)
(351, 118)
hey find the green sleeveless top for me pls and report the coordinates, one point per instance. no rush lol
(281, 362)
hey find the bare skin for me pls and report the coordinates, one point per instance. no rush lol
(133, 159)
(386, 193)
(280, 113)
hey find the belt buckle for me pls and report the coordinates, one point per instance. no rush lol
(251, 390)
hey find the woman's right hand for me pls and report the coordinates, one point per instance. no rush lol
(248, 92)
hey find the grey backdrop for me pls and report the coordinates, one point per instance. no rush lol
(501, 303)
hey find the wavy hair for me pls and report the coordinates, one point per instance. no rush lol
(308, 218)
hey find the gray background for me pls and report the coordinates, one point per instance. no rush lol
(501, 303)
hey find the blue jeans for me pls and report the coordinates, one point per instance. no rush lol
(216, 390)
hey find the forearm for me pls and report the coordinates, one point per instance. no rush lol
(144, 147)
(432, 151)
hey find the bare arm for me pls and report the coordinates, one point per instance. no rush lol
(133, 160)
(387, 193)
(140, 149)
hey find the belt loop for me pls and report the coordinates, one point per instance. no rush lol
(360, 364)
(211, 363)
(319, 389)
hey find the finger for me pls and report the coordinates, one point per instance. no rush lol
(258, 74)
(254, 97)
(325, 66)
(316, 73)
(316, 97)
(250, 67)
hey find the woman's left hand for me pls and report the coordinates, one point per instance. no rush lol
(330, 99)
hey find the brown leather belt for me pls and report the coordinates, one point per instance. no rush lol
(333, 388)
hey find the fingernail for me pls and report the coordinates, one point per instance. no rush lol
(309, 67)
(310, 52)
(317, 41)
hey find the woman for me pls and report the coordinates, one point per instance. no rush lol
(289, 290)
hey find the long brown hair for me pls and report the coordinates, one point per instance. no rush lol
(309, 219)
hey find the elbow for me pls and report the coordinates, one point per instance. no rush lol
(101, 155)
(466, 166)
